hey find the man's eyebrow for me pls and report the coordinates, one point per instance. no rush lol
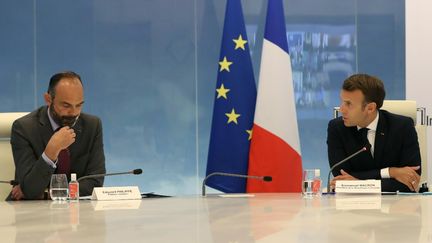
(67, 103)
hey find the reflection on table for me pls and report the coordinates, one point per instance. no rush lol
(262, 218)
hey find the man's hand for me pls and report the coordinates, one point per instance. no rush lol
(17, 193)
(62, 139)
(406, 175)
(343, 176)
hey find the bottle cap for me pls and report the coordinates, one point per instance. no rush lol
(317, 173)
(73, 176)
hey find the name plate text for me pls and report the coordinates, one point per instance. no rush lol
(358, 186)
(116, 193)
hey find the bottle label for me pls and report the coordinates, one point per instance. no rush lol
(316, 186)
(73, 191)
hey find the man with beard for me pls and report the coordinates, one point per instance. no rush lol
(57, 138)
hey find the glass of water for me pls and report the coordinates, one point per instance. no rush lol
(307, 183)
(59, 187)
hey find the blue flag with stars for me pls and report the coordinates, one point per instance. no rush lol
(234, 106)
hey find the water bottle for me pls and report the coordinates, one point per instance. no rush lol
(73, 188)
(316, 184)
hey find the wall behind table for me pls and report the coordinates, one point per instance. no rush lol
(418, 62)
(150, 67)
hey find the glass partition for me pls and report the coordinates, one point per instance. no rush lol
(149, 70)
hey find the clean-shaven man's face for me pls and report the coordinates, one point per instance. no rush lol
(355, 111)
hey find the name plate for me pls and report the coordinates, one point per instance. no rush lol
(116, 193)
(358, 186)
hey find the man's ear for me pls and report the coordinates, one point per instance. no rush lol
(372, 107)
(47, 98)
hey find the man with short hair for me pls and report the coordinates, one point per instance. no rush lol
(394, 154)
(57, 138)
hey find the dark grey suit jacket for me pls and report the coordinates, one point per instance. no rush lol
(396, 145)
(30, 135)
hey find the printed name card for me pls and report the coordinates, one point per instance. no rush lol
(358, 186)
(116, 193)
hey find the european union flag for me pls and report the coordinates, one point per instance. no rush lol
(234, 105)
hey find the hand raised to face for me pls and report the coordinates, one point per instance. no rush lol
(60, 140)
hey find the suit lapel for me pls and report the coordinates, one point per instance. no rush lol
(73, 147)
(46, 130)
(380, 139)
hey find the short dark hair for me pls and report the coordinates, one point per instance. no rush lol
(55, 79)
(371, 87)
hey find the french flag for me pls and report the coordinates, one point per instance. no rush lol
(275, 145)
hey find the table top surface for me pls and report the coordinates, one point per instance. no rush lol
(261, 218)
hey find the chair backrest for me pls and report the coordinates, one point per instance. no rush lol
(7, 171)
(408, 108)
(402, 107)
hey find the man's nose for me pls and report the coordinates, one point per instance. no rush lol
(74, 111)
(342, 108)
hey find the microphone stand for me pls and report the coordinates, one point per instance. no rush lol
(12, 182)
(264, 178)
(135, 172)
(341, 162)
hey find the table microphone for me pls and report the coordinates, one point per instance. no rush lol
(11, 182)
(134, 172)
(264, 178)
(365, 148)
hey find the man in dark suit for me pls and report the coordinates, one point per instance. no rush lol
(394, 155)
(57, 138)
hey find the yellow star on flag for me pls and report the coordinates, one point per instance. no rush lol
(232, 117)
(222, 92)
(250, 134)
(224, 65)
(240, 43)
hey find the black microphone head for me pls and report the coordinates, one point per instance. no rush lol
(267, 178)
(14, 182)
(367, 147)
(137, 171)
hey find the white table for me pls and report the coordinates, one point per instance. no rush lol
(263, 218)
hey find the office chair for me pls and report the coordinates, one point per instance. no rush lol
(7, 171)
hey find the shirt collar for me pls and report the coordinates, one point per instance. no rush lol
(373, 125)
(54, 125)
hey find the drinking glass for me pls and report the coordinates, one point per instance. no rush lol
(307, 183)
(59, 187)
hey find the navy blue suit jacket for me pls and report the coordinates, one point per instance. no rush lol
(396, 145)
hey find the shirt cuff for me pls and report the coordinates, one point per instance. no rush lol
(49, 161)
(385, 173)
